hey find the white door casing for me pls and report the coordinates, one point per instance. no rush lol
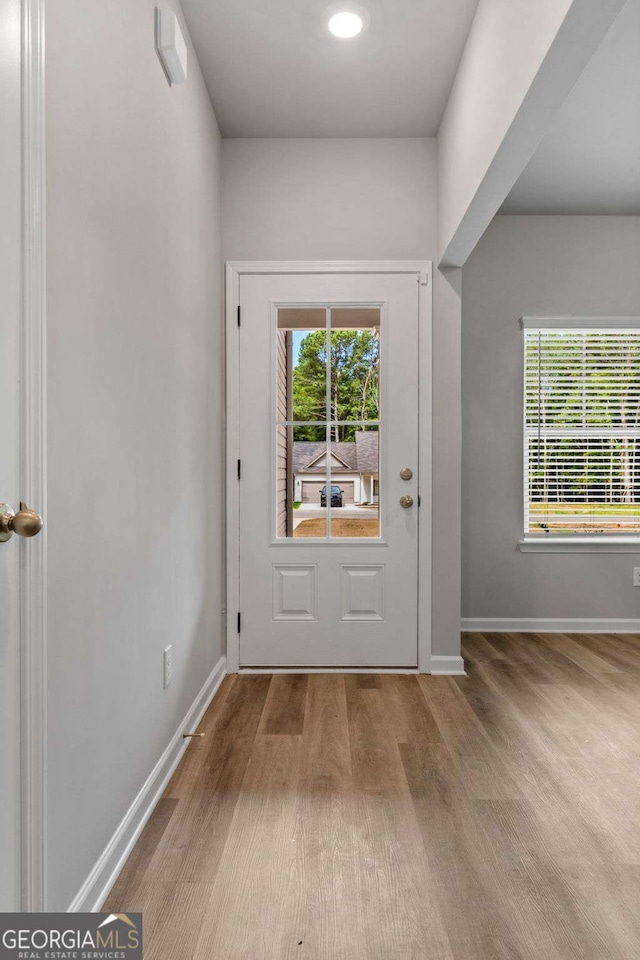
(22, 463)
(10, 267)
(395, 633)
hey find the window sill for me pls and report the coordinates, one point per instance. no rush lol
(579, 545)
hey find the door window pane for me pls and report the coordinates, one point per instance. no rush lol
(301, 351)
(301, 510)
(355, 367)
(355, 500)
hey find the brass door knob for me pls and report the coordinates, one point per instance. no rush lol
(26, 523)
(406, 502)
(406, 473)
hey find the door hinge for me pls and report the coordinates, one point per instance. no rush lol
(418, 499)
(238, 314)
(239, 617)
(239, 469)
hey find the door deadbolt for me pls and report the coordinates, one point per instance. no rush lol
(406, 473)
(26, 523)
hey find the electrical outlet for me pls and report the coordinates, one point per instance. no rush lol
(167, 662)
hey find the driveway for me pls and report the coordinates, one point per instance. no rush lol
(313, 511)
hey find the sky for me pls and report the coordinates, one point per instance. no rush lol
(298, 336)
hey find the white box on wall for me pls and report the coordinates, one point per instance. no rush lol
(171, 46)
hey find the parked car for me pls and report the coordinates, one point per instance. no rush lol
(336, 496)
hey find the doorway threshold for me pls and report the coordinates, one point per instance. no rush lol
(325, 669)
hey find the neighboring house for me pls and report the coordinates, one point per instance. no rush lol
(354, 468)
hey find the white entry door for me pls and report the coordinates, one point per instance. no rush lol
(328, 469)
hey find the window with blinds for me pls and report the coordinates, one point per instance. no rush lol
(581, 430)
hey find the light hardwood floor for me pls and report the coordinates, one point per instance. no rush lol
(346, 817)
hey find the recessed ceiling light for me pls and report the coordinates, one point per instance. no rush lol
(345, 19)
(345, 24)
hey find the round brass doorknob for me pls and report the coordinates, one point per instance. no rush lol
(26, 523)
(406, 502)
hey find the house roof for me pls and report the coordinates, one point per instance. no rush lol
(360, 456)
(304, 453)
(367, 451)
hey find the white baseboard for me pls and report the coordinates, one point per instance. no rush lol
(104, 874)
(531, 625)
(447, 667)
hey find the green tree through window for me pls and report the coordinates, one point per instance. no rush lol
(355, 382)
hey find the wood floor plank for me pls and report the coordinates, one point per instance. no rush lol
(617, 649)
(395, 817)
(242, 708)
(552, 664)
(510, 716)
(609, 896)
(399, 912)
(136, 866)
(481, 771)
(565, 645)
(285, 706)
(481, 929)
(327, 868)
(254, 906)
(325, 751)
(187, 771)
(368, 681)
(408, 711)
(191, 847)
(172, 915)
(478, 647)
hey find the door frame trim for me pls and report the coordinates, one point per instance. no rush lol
(234, 270)
(33, 464)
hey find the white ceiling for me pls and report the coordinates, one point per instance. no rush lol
(589, 161)
(273, 70)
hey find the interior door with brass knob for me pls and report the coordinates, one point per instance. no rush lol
(328, 488)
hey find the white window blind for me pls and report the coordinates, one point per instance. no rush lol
(582, 430)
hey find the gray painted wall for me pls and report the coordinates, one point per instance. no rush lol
(362, 200)
(135, 414)
(329, 199)
(528, 265)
